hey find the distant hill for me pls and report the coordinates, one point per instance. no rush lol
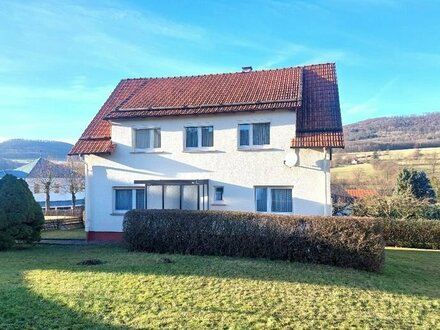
(18, 149)
(6, 164)
(391, 133)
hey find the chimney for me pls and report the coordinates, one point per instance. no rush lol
(246, 69)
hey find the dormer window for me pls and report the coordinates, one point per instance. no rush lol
(147, 138)
(199, 137)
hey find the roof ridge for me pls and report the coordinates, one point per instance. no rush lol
(230, 73)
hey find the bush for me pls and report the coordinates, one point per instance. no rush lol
(412, 233)
(21, 217)
(346, 242)
(402, 207)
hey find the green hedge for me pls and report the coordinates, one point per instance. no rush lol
(412, 233)
(347, 242)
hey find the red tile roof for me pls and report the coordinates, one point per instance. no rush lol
(360, 193)
(96, 139)
(309, 90)
(318, 122)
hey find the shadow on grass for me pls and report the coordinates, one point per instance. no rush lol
(23, 309)
(408, 272)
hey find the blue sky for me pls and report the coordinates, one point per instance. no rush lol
(59, 60)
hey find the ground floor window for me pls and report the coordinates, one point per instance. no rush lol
(273, 199)
(171, 194)
(128, 199)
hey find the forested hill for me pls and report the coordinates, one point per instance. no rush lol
(18, 149)
(400, 132)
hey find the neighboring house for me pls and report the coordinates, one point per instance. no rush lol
(357, 193)
(257, 141)
(36, 173)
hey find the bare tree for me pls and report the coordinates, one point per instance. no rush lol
(46, 178)
(434, 162)
(76, 179)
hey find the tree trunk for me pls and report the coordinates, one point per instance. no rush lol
(73, 200)
(47, 201)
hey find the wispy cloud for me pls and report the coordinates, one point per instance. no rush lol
(373, 103)
(300, 54)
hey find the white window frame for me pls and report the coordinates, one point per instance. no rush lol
(152, 129)
(199, 137)
(269, 199)
(133, 198)
(251, 145)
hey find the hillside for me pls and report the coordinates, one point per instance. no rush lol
(18, 149)
(392, 133)
(6, 164)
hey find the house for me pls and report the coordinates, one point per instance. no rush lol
(41, 171)
(356, 193)
(257, 141)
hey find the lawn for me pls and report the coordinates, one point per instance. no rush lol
(43, 287)
(64, 234)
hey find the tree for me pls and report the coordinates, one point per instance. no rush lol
(75, 180)
(375, 155)
(21, 217)
(415, 183)
(405, 207)
(434, 162)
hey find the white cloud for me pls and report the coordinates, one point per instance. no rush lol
(373, 103)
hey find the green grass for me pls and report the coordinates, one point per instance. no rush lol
(64, 234)
(43, 288)
(402, 158)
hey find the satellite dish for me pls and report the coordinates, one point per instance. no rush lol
(291, 159)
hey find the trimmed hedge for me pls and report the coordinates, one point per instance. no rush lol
(347, 242)
(423, 234)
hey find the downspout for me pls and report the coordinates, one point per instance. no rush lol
(87, 197)
(326, 203)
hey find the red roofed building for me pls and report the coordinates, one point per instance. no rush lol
(253, 141)
(360, 193)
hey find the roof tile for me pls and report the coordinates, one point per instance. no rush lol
(310, 90)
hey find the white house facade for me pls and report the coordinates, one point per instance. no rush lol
(248, 159)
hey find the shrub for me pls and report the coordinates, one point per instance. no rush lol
(346, 242)
(416, 183)
(21, 217)
(404, 206)
(412, 233)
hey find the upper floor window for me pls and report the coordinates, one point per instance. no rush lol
(199, 137)
(36, 188)
(257, 134)
(148, 138)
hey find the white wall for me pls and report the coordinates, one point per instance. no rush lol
(238, 171)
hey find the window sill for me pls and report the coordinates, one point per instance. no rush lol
(200, 150)
(219, 203)
(148, 152)
(118, 213)
(255, 148)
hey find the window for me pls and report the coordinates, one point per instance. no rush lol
(261, 199)
(123, 199)
(128, 199)
(56, 188)
(36, 188)
(140, 198)
(277, 200)
(254, 134)
(199, 137)
(218, 194)
(147, 138)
